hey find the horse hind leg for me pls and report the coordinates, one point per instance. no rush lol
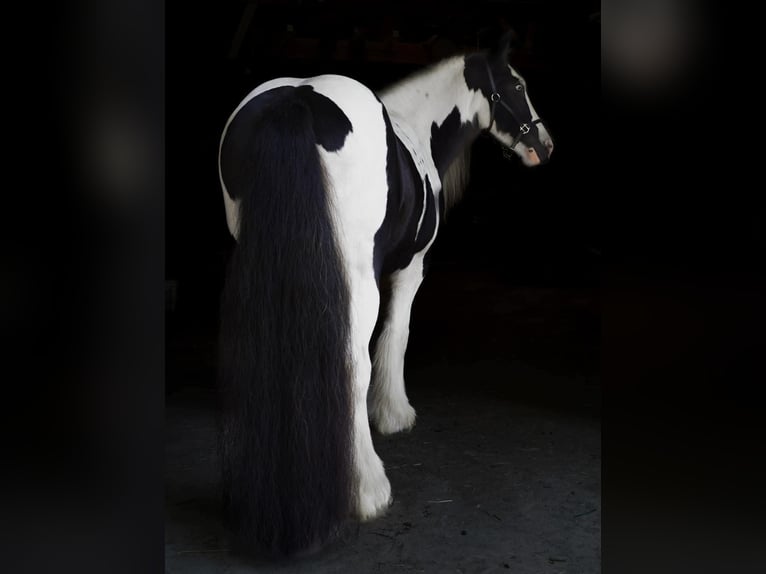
(373, 489)
(390, 409)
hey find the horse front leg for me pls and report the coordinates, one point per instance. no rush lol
(390, 409)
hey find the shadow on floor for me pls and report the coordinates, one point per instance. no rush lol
(500, 474)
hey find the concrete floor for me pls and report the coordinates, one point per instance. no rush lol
(502, 472)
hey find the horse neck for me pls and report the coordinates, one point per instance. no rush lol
(438, 101)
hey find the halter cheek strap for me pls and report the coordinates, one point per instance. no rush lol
(493, 98)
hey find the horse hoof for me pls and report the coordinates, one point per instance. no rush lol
(374, 498)
(393, 420)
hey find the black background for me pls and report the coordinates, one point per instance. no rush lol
(527, 218)
(550, 216)
(520, 227)
(650, 204)
(667, 189)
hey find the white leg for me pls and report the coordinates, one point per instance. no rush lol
(389, 407)
(373, 493)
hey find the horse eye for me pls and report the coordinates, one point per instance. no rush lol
(519, 88)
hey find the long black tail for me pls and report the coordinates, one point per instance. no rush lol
(284, 371)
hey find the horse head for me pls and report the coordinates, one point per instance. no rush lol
(513, 119)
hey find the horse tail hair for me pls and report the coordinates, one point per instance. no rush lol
(284, 371)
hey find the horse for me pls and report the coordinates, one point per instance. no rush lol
(333, 191)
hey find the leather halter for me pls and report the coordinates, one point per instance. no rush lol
(496, 98)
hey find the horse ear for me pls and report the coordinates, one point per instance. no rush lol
(503, 47)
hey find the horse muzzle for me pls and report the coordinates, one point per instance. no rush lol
(537, 152)
(537, 143)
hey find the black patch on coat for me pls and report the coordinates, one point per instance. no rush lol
(395, 241)
(330, 125)
(475, 74)
(450, 139)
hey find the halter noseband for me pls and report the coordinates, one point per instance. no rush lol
(495, 98)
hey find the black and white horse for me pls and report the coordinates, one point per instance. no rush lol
(332, 190)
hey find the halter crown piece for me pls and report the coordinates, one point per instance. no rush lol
(495, 98)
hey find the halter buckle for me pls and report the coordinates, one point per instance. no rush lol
(524, 128)
(495, 97)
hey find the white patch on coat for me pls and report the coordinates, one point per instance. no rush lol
(358, 185)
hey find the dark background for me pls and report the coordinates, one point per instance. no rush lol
(557, 51)
(516, 229)
(635, 257)
(672, 195)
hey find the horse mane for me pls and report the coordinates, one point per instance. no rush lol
(456, 179)
(397, 95)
